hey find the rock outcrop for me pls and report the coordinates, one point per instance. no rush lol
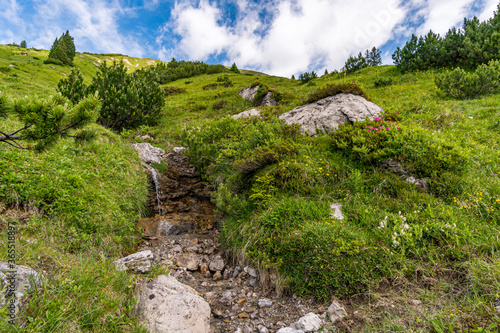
(148, 153)
(247, 113)
(249, 93)
(326, 114)
(16, 280)
(166, 305)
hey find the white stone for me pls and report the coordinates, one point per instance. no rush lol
(179, 150)
(139, 262)
(309, 323)
(217, 264)
(336, 211)
(165, 306)
(247, 113)
(189, 260)
(264, 303)
(336, 311)
(326, 114)
(148, 153)
(250, 271)
(289, 330)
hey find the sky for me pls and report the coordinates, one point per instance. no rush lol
(281, 37)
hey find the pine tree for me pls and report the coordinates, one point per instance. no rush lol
(326, 72)
(374, 57)
(62, 51)
(128, 100)
(234, 68)
(293, 77)
(23, 44)
(44, 121)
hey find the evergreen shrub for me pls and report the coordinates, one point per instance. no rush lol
(461, 84)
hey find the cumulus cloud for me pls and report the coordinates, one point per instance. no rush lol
(441, 15)
(14, 25)
(302, 34)
(93, 24)
(490, 6)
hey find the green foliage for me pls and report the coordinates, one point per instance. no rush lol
(222, 81)
(372, 58)
(23, 44)
(176, 70)
(219, 105)
(461, 84)
(62, 50)
(73, 87)
(422, 152)
(235, 69)
(264, 155)
(173, 90)
(44, 121)
(475, 44)
(383, 82)
(128, 100)
(335, 89)
(306, 77)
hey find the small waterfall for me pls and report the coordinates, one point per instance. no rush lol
(157, 186)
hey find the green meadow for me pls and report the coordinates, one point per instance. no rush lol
(76, 207)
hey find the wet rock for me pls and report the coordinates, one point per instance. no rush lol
(264, 303)
(181, 165)
(247, 114)
(148, 153)
(188, 260)
(309, 323)
(139, 262)
(166, 305)
(16, 280)
(336, 211)
(217, 264)
(336, 311)
(326, 114)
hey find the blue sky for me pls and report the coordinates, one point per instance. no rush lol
(282, 37)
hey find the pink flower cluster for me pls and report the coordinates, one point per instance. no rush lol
(379, 127)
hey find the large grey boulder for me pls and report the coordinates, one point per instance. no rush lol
(139, 262)
(167, 306)
(16, 280)
(247, 114)
(326, 114)
(249, 93)
(148, 153)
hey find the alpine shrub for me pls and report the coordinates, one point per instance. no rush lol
(128, 100)
(335, 89)
(462, 85)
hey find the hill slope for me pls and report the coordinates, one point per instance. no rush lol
(405, 260)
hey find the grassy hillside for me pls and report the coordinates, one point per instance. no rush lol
(22, 71)
(274, 187)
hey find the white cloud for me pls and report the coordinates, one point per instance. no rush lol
(13, 26)
(304, 35)
(441, 15)
(93, 25)
(490, 6)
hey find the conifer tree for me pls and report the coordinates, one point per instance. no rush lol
(62, 51)
(234, 68)
(44, 121)
(23, 44)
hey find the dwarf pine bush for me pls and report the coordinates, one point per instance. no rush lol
(461, 84)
